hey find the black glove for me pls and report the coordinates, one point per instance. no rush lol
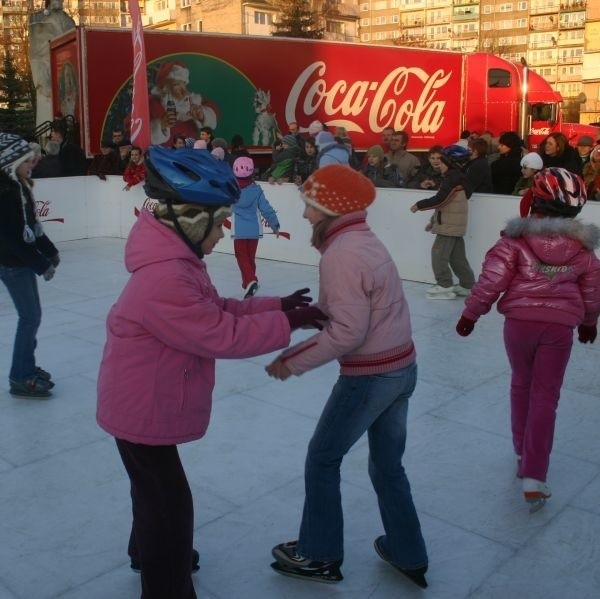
(587, 333)
(465, 326)
(49, 273)
(55, 260)
(101, 176)
(302, 317)
(298, 299)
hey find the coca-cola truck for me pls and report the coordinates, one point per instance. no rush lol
(255, 86)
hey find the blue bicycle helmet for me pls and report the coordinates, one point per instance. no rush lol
(189, 176)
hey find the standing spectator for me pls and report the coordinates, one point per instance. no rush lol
(179, 141)
(506, 170)
(106, 162)
(386, 138)
(429, 175)
(478, 169)
(124, 148)
(72, 158)
(238, 147)
(545, 269)
(315, 128)
(369, 333)
(306, 163)
(207, 135)
(531, 164)
(556, 151)
(158, 368)
(118, 135)
(136, 169)
(591, 175)
(464, 139)
(49, 165)
(219, 142)
(449, 224)
(25, 251)
(406, 164)
(284, 158)
(584, 148)
(330, 151)
(379, 172)
(247, 227)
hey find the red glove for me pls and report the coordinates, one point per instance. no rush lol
(465, 326)
(302, 317)
(298, 299)
(587, 333)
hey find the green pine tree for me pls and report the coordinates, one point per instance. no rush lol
(16, 113)
(297, 19)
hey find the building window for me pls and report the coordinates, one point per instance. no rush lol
(395, 18)
(160, 5)
(364, 8)
(263, 18)
(380, 20)
(505, 8)
(522, 5)
(186, 3)
(487, 9)
(365, 37)
(186, 27)
(365, 22)
(198, 25)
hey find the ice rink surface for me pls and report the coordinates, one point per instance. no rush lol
(64, 497)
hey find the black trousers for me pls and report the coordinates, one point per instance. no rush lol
(162, 533)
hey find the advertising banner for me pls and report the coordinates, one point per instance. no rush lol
(254, 86)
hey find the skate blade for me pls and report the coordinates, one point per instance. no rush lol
(535, 505)
(330, 577)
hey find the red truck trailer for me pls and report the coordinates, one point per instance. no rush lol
(254, 86)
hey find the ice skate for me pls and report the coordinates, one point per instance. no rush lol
(290, 563)
(416, 575)
(536, 493)
(440, 293)
(250, 289)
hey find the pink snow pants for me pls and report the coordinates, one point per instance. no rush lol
(538, 353)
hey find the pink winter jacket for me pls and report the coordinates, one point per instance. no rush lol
(547, 270)
(360, 290)
(163, 335)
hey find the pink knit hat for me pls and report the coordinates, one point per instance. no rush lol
(336, 189)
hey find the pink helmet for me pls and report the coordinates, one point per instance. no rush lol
(558, 192)
(243, 167)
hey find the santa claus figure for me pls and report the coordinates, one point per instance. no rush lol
(174, 109)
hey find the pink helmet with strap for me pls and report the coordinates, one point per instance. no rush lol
(243, 167)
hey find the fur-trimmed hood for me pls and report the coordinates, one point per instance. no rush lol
(586, 233)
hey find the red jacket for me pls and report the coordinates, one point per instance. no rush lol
(546, 270)
(134, 174)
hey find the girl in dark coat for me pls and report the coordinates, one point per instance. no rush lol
(556, 151)
(506, 170)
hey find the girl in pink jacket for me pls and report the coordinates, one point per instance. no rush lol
(369, 333)
(163, 336)
(549, 276)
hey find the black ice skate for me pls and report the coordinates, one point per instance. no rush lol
(289, 563)
(417, 575)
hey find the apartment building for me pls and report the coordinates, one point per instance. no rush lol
(560, 39)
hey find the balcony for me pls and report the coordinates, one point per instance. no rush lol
(572, 5)
(577, 24)
(467, 15)
(547, 9)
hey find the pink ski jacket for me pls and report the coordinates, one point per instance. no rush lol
(547, 270)
(360, 290)
(163, 335)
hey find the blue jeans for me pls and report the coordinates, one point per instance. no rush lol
(22, 286)
(377, 404)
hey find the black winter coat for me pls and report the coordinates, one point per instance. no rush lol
(14, 251)
(506, 171)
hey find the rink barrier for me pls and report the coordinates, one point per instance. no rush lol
(87, 207)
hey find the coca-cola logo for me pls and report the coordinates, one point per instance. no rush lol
(42, 210)
(407, 98)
